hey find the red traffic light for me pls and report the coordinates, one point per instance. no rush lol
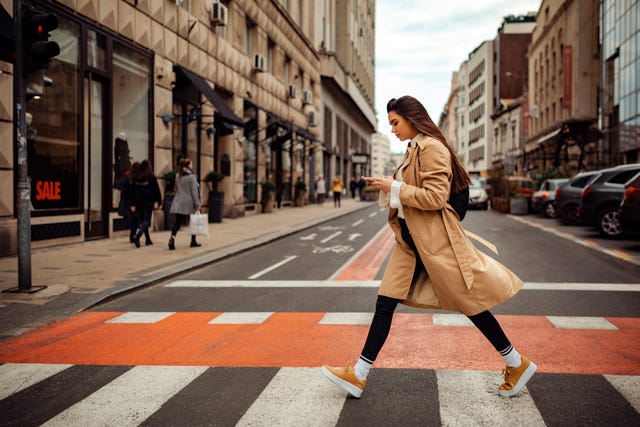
(38, 49)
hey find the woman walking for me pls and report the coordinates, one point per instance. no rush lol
(186, 201)
(433, 264)
(336, 186)
(146, 193)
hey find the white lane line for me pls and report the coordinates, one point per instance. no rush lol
(273, 267)
(15, 377)
(581, 322)
(237, 318)
(372, 214)
(346, 319)
(129, 399)
(440, 319)
(354, 236)
(607, 287)
(603, 287)
(326, 239)
(141, 317)
(628, 386)
(358, 222)
(471, 398)
(296, 397)
(273, 284)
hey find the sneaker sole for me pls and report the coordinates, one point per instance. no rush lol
(350, 388)
(526, 376)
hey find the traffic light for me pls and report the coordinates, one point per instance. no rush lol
(38, 50)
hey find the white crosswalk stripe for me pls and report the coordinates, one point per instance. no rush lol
(292, 397)
(15, 377)
(296, 397)
(471, 398)
(129, 399)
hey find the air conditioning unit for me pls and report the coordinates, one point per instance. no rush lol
(313, 118)
(307, 97)
(219, 14)
(258, 62)
(293, 91)
(179, 2)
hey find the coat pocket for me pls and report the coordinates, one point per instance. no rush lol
(433, 238)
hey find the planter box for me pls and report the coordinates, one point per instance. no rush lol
(518, 205)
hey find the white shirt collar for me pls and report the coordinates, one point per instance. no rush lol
(415, 139)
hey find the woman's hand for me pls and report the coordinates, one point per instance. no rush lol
(382, 183)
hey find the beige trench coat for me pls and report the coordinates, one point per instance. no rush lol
(459, 277)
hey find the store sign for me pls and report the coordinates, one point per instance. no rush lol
(48, 190)
(359, 158)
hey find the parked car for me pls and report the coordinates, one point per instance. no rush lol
(602, 196)
(543, 200)
(523, 186)
(568, 197)
(478, 196)
(629, 213)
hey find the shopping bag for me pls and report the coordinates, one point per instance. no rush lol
(198, 225)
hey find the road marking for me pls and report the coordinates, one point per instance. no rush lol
(129, 399)
(627, 386)
(273, 267)
(366, 263)
(141, 317)
(577, 322)
(358, 222)
(15, 377)
(584, 242)
(451, 320)
(296, 397)
(309, 237)
(372, 214)
(354, 236)
(273, 284)
(529, 286)
(346, 319)
(326, 239)
(471, 398)
(235, 318)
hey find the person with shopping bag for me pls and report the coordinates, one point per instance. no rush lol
(186, 201)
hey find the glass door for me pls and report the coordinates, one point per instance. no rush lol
(95, 208)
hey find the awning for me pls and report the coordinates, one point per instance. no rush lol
(548, 136)
(222, 109)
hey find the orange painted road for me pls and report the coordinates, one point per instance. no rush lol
(299, 340)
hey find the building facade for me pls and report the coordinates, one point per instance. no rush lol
(240, 87)
(563, 86)
(620, 74)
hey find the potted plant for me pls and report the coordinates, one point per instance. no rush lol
(268, 196)
(369, 193)
(216, 198)
(300, 193)
(169, 193)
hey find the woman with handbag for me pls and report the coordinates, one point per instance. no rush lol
(433, 263)
(186, 201)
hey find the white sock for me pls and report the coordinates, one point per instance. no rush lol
(362, 368)
(511, 357)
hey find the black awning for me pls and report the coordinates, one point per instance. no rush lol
(222, 109)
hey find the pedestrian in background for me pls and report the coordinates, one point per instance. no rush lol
(186, 201)
(433, 264)
(321, 190)
(337, 186)
(146, 193)
(126, 195)
(352, 187)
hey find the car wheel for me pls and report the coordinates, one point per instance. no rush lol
(609, 222)
(550, 210)
(570, 215)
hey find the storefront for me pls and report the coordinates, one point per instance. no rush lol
(87, 129)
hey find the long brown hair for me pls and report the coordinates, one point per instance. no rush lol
(184, 164)
(412, 110)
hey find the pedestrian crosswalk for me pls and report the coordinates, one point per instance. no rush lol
(90, 395)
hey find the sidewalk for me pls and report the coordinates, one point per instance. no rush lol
(81, 275)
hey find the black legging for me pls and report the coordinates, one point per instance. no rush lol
(385, 307)
(180, 219)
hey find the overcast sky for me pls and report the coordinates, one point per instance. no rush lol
(420, 43)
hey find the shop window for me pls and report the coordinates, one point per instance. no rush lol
(52, 129)
(130, 111)
(96, 56)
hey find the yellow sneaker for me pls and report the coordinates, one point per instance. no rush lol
(345, 378)
(516, 378)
